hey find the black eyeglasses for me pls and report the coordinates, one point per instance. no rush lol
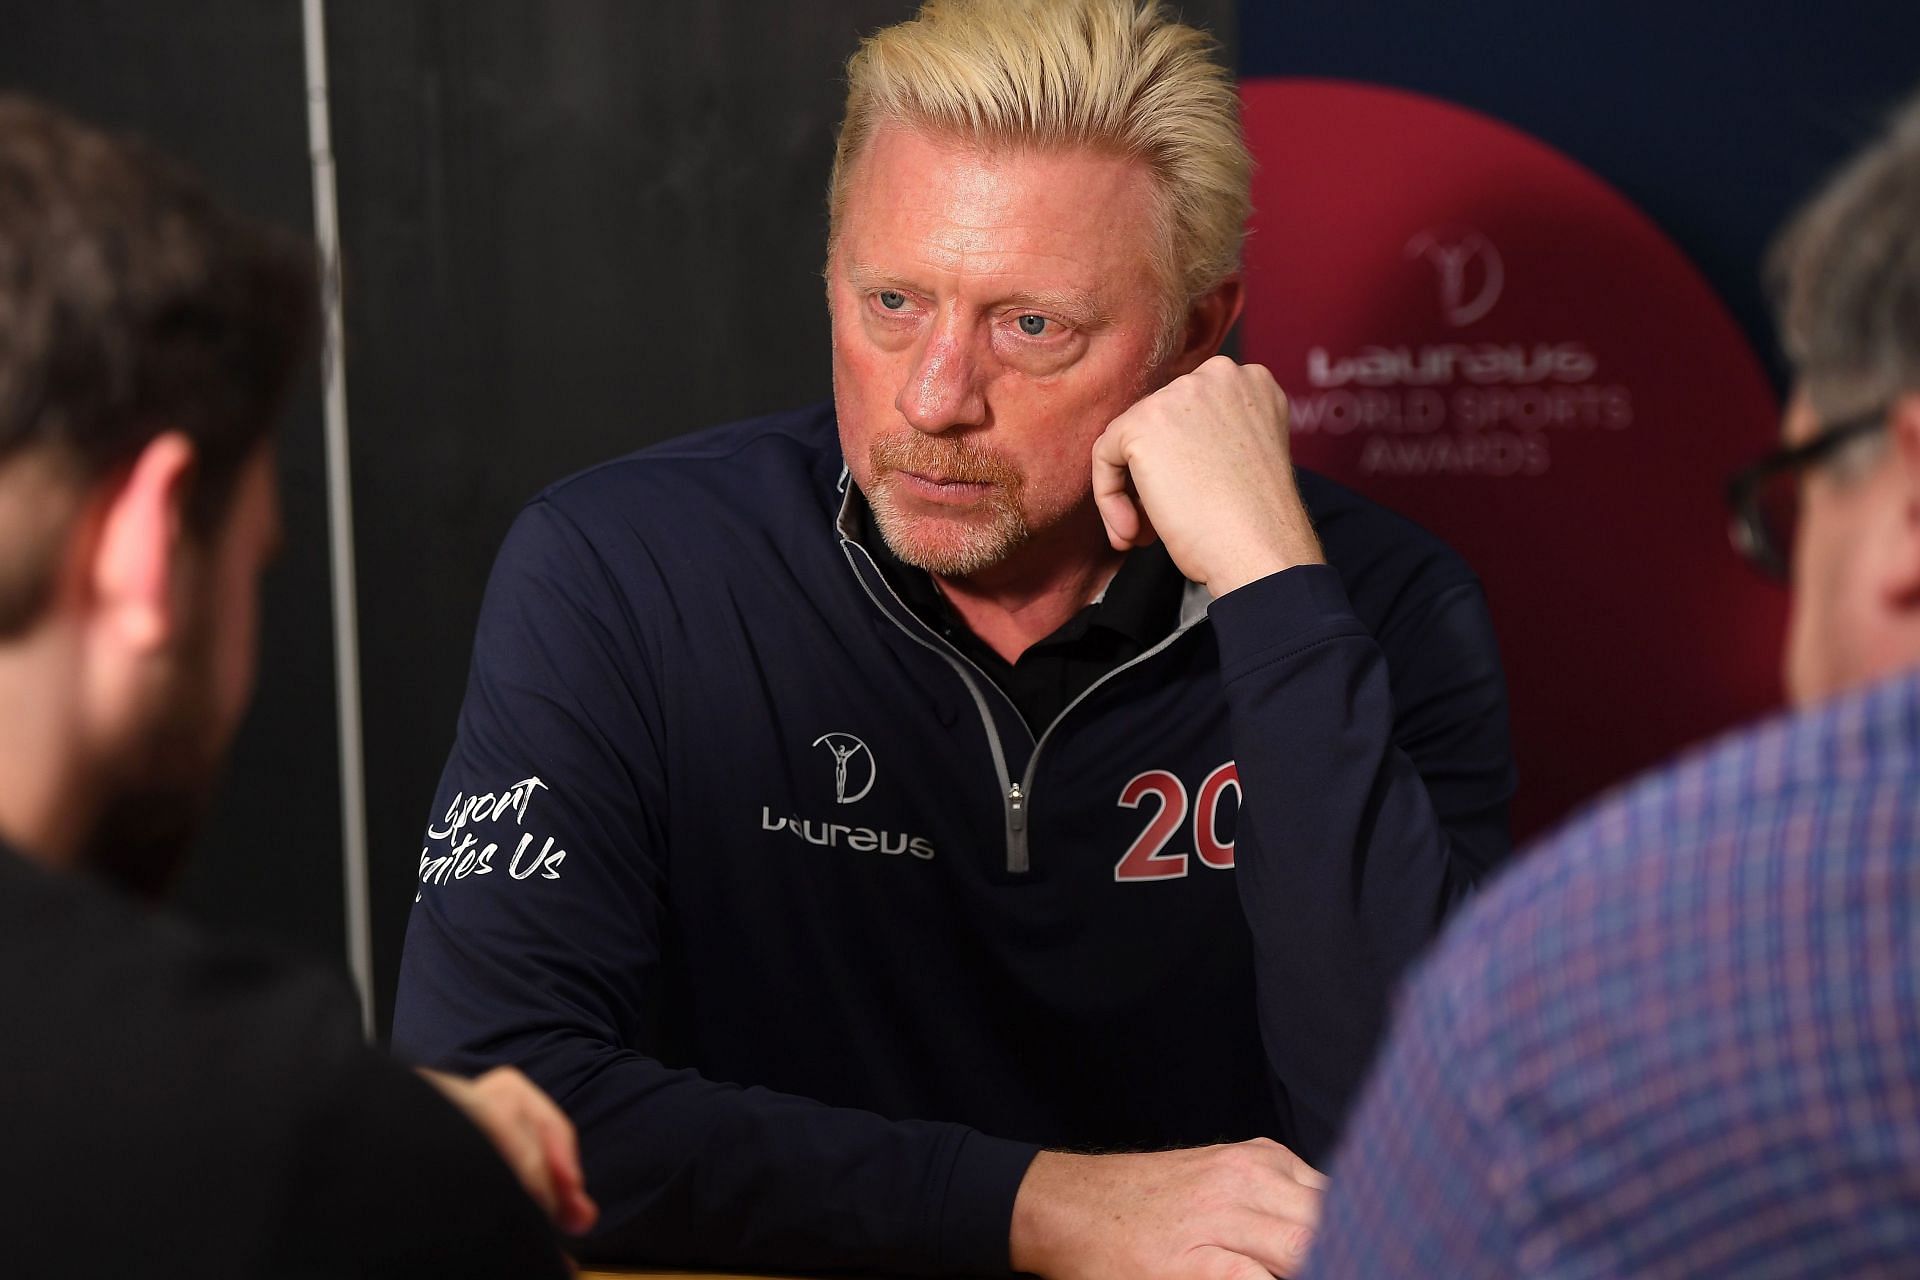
(1765, 497)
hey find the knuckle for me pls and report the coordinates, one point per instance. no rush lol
(1261, 1152)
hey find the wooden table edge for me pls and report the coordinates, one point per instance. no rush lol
(655, 1273)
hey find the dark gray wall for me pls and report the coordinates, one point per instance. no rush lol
(569, 227)
(221, 85)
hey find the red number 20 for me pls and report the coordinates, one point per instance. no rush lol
(1146, 858)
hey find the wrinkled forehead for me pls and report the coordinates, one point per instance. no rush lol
(1082, 208)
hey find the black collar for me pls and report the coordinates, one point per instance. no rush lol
(1141, 603)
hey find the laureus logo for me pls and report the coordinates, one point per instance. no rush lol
(853, 770)
(853, 773)
(1470, 272)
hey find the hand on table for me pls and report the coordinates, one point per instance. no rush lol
(533, 1136)
(1241, 1212)
(1204, 465)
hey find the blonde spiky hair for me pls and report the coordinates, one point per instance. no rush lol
(1117, 75)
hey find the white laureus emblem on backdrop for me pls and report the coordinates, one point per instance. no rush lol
(848, 751)
(1453, 254)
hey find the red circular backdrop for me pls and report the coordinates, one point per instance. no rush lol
(1479, 333)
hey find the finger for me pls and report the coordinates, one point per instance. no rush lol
(1283, 1198)
(1285, 1161)
(579, 1213)
(1113, 491)
(1278, 1245)
(1281, 407)
(556, 1140)
(1237, 1267)
(1307, 1175)
(1218, 1263)
(577, 1210)
(1143, 533)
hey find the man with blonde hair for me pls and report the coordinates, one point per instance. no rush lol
(846, 819)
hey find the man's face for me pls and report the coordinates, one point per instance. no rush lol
(1839, 633)
(155, 804)
(992, 312)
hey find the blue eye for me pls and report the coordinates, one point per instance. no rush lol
(892, 299)
(1032, 326)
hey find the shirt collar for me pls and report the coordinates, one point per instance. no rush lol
(1143, 601)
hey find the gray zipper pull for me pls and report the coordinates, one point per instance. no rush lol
(1016, 830)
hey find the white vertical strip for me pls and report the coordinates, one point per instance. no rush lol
(346, 623)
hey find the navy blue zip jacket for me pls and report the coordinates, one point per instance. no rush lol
(783, 902)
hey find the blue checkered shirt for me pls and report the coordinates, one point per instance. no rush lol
(1680, 1038)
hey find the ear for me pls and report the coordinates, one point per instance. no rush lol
(133, 563)
(1209, 319)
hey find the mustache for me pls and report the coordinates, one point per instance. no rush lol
(948, 459)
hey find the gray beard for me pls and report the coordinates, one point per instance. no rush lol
(974, 548)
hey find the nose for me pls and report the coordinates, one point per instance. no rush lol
(944, 387)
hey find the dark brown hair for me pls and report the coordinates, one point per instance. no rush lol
(131, 304)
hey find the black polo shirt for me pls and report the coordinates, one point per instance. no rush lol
(1139, 608)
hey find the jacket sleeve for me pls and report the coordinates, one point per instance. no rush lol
(1372, 801)
(538, 939)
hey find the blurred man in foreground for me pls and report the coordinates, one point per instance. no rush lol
(1683, 1038)
(860, 815)
(170, 1107)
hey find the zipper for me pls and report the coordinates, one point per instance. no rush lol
(1020, 795)
(1016, 819)
(1016, 797)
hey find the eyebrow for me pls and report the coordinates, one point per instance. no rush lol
(1079, 307)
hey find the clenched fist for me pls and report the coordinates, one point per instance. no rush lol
(1203, 464)
(1241, 1212)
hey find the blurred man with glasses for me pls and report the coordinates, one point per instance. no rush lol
(1683, 1038)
